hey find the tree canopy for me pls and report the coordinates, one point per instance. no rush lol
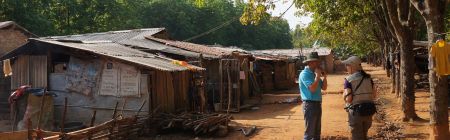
(184, 19)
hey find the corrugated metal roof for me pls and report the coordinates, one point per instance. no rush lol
(193, 47)
(6, 24)
(112, 36)
(121, 52)
(152, 45)
(133, 38)
(229, 49)
(295, 52)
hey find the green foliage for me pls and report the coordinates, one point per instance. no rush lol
(182, 18)
(340, 24)
(301, 37)
(447, 19)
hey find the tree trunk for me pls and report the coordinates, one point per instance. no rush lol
(391, 60)
(401, 15)
(393, 71)
(407, 78)
(433, 12)
(397, 76)
(388, 61)
(439, 91)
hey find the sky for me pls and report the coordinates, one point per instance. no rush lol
(293, 20)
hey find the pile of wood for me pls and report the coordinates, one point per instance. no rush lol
(199, 124)
(119, 128)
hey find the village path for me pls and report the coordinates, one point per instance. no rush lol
(283, 121)
(277, 121)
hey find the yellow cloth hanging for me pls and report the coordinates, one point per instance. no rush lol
(441, 59)
(7, 67)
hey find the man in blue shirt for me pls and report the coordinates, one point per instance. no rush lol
(311, 85)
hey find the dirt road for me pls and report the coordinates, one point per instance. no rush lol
(277, 120)
(285, 121)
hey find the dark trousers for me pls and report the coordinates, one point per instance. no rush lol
(312, 112)
(359, 125)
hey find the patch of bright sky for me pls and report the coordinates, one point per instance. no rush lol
(293, 20)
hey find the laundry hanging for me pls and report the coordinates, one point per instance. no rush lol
(7, 67)
(440, 53)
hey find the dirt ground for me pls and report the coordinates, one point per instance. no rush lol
(280, 117)
(277, 120)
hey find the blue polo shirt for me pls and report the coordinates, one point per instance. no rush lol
(306, 79)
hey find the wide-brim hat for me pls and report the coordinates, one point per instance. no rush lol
(313, 56)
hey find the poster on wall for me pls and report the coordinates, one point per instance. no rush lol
(82, 75)
(110, 78)
(129, 80)
(143, 84)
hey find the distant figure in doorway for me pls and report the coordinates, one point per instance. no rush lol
(359, 95)
(312, 80)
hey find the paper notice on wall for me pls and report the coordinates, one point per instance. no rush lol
(110, 78)
(144, 84)
(242, 75)
(129, 80)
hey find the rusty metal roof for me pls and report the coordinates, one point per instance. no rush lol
(203, 49)
(124, 53)
(8, 24)
(131, 38)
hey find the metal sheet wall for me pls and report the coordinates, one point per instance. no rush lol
(29, 70)
(38, 71)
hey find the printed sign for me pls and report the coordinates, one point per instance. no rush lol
(110, 78)
(129, 80)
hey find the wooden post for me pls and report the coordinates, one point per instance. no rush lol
(221, 82)
(111, 130)
(115, 110)
(238, 90)
(41, 109)
(92, 122)
(140, 108)
(93, 118)
(63, 119)
(39, 133)
(29, 129)
(14, 115)
(230, 88)
(151, 91)
(123, 106)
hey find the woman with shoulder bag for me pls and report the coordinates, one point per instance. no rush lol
(359, 96)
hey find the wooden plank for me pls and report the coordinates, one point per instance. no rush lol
(221, 82)
(170, 92)
(238, 90)
(245, 82)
